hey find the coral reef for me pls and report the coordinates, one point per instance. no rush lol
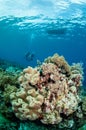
(7, 91)
(5, 124)
(60, 62)
(28, 105)
(84, 105)
(7, 78)
(48, 92)
(8, 84)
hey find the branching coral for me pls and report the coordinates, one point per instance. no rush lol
(47, 91)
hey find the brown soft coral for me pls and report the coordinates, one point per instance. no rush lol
(60, 62)
(27, 104)
(47, 91)
(31, 75)
(76, 74)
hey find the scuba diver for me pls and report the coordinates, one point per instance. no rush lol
(29, 56)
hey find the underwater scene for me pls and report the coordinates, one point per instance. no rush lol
(43, 65)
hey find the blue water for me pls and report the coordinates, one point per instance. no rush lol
(43, 27)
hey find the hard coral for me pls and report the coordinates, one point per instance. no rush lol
(47, 91)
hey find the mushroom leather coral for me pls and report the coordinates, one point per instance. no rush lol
(47, 91)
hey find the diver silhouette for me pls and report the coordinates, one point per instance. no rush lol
(29, 56)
